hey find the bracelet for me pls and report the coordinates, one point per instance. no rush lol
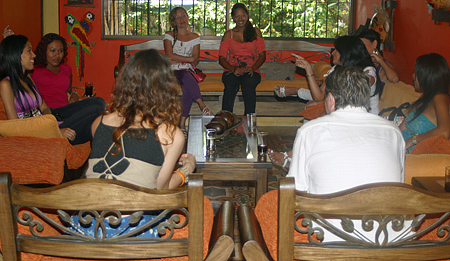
(414, 140)
(182, 177)
(186, 173)
(309, 75)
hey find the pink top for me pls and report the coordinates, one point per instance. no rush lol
(242, 54)
(53, 87)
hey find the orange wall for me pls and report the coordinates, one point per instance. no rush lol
(23, 16)
(415, 34)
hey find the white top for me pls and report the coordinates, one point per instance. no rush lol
(347, 148)
(184, 49)
(374, 99)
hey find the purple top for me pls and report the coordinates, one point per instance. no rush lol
(30, 104)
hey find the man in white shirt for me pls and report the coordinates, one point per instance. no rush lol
(349, 146)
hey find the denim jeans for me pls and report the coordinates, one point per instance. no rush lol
(248, 85)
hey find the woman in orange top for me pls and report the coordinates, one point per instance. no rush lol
(242, 52)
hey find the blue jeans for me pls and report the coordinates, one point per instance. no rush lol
(79, 116)
(248, 85)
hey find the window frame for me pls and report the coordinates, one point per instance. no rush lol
(228, 18)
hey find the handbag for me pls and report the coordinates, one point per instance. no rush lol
(198, 74)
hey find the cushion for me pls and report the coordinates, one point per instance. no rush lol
(213, 83)
(44, 126)
(425, 165)
(208, 221)
(33, 160)
(266, 212)
(395, 94)
(433, 145)
(281, 71)
(321, 68)
(314, 112)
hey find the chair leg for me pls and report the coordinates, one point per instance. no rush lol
(222, 238)
(253, 245)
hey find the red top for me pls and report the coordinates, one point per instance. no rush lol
(242, 54)
(53, 87)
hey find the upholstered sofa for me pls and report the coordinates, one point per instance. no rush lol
(429, 157)
(34, 151)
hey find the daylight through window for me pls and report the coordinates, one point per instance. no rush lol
(275, 18)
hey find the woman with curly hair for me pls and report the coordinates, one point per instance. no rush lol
(183, 48)
(138, 140)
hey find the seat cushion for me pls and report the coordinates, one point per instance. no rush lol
(208, 221)
(213, 83)
(433, 145)
(44, 126)
(32, 160)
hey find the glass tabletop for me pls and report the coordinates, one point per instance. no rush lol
(236, 146)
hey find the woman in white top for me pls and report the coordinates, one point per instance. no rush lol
(183, 48)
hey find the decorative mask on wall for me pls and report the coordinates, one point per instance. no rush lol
(380, 22)
(439, 4)
(79, 31)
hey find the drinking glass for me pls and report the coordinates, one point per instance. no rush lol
(262, 143)
(251, 123)
(88, 89)
(211, 142)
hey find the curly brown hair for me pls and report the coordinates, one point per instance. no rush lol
(146, 87)
(41, 49)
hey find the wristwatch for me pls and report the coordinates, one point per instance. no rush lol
(414, 140)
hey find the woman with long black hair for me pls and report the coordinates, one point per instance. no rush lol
(349, 51)
(242, 52)
(429, 115)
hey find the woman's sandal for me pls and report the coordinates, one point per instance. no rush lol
(280, 91)
(207, 112)
(286, 162)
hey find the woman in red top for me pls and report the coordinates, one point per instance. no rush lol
(242, 52)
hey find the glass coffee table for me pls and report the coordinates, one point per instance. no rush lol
(236, 156)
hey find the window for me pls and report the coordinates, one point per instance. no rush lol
(138, 19)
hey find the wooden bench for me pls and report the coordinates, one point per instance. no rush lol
(278, 59)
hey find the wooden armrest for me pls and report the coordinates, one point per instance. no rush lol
(253, 245)
(222, 238)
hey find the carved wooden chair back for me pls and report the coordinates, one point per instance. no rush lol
(386, 206)
(105, 201)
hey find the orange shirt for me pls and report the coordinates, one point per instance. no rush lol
(242, 55)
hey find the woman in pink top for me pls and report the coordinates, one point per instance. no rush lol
(53, 79)
(242, 52)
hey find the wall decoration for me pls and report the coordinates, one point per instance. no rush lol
(79, 32)
(438, 8)
(78, 3)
